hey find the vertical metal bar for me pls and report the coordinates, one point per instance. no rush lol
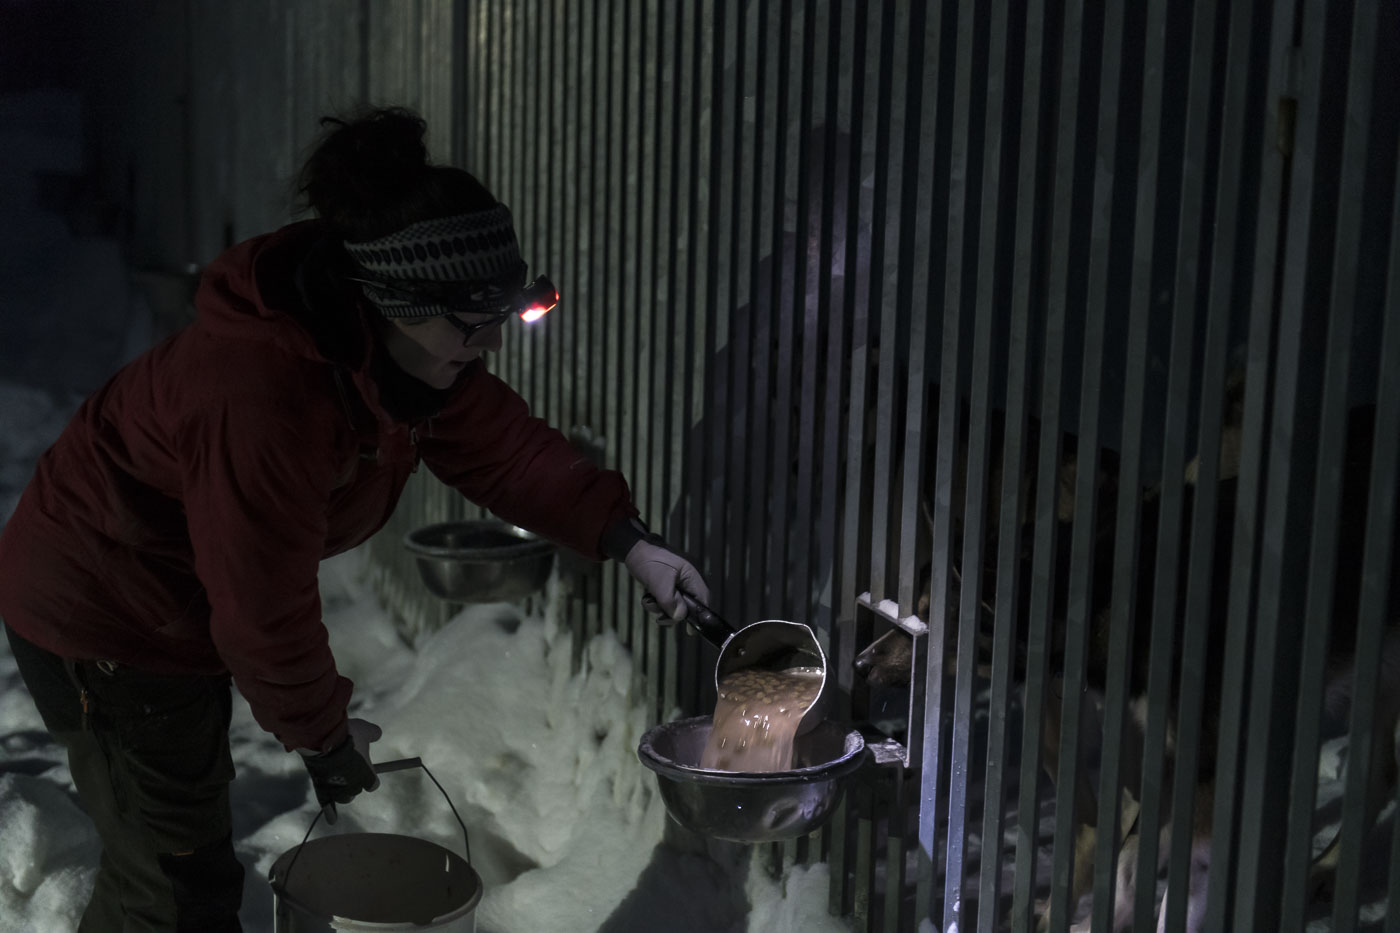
(1047, 471)
(668, 149)
(1225, 844)
(1008, 574)
(804, 303)
(556, 236)
(542, 182)
(537, 196)
(826, 443)
(887, 311)
(774, 568)
(1377, 583)
(607, 359)
(1198, 612)
(912, 293)
(760, 328)
(663, 286)
(741, 313)
(629, 364)
(696, 365)
(978, 294)
(1325, 528)
(642, 476)
(720, 289)
(893, 908)
(851, 345)
(1086, 519)
(928, 730)
(1392, 917)
(624, 332)
(688, 666)
(585, 330)
(571, 303)
(797, 367)
(1259, 860)
(1166, 577)
(518, 194)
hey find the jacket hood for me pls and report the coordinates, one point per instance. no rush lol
(280, 288)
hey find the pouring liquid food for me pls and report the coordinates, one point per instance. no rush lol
(770, 681)
(757, 716)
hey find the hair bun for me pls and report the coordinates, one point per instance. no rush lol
(363, 164)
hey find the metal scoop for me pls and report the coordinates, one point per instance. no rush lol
(770, 645)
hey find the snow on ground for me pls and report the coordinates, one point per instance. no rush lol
(567, 830)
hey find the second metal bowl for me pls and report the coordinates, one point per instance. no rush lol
(481, 561)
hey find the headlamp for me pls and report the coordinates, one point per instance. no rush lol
(536, 299)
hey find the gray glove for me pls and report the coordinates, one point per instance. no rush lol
(338, 775)
(661, 571)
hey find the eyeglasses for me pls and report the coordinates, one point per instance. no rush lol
(471, 330)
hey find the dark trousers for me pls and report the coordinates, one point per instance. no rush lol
(151, 763)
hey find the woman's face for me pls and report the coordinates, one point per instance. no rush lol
(433, 350)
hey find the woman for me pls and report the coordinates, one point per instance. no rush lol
(170, 539)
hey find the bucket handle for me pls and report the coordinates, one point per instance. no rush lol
(382, 767)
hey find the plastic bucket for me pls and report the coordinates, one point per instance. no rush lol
(375, 882)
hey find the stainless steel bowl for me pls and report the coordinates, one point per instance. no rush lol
(482, 561)
(750, 807)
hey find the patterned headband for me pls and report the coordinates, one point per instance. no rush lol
(477, 250)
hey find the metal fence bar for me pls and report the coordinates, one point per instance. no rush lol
(775, 502)
(1220, 902)
(668, 156)
(844, 411)
(796, 565)
(1166, 596)
(726, 111)
(644, 470)
(1203, 561)
(1013, 460)
(1375, 584)
(887, 313)
(985, 70)
(806, 231)
(519, 193)
(1332, 441)
(1375, 578)
(760, 349)
(697, 328)
(827, 473)
(927, 729)
(1274, 674)
(1044, 555)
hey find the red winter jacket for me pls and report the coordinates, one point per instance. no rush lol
(177, 524)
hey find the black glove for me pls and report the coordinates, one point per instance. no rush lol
(339, 775)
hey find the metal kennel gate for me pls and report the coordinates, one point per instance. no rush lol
(838, 276)
(786, 232)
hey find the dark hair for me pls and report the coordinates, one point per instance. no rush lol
(369, 175)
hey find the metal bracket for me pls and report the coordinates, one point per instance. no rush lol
(891, 751)
(888, 610)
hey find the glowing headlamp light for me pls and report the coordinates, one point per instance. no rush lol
(536, 299)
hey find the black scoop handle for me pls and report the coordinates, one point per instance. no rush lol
(706, 621)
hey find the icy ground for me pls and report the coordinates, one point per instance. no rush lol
(566, 826)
